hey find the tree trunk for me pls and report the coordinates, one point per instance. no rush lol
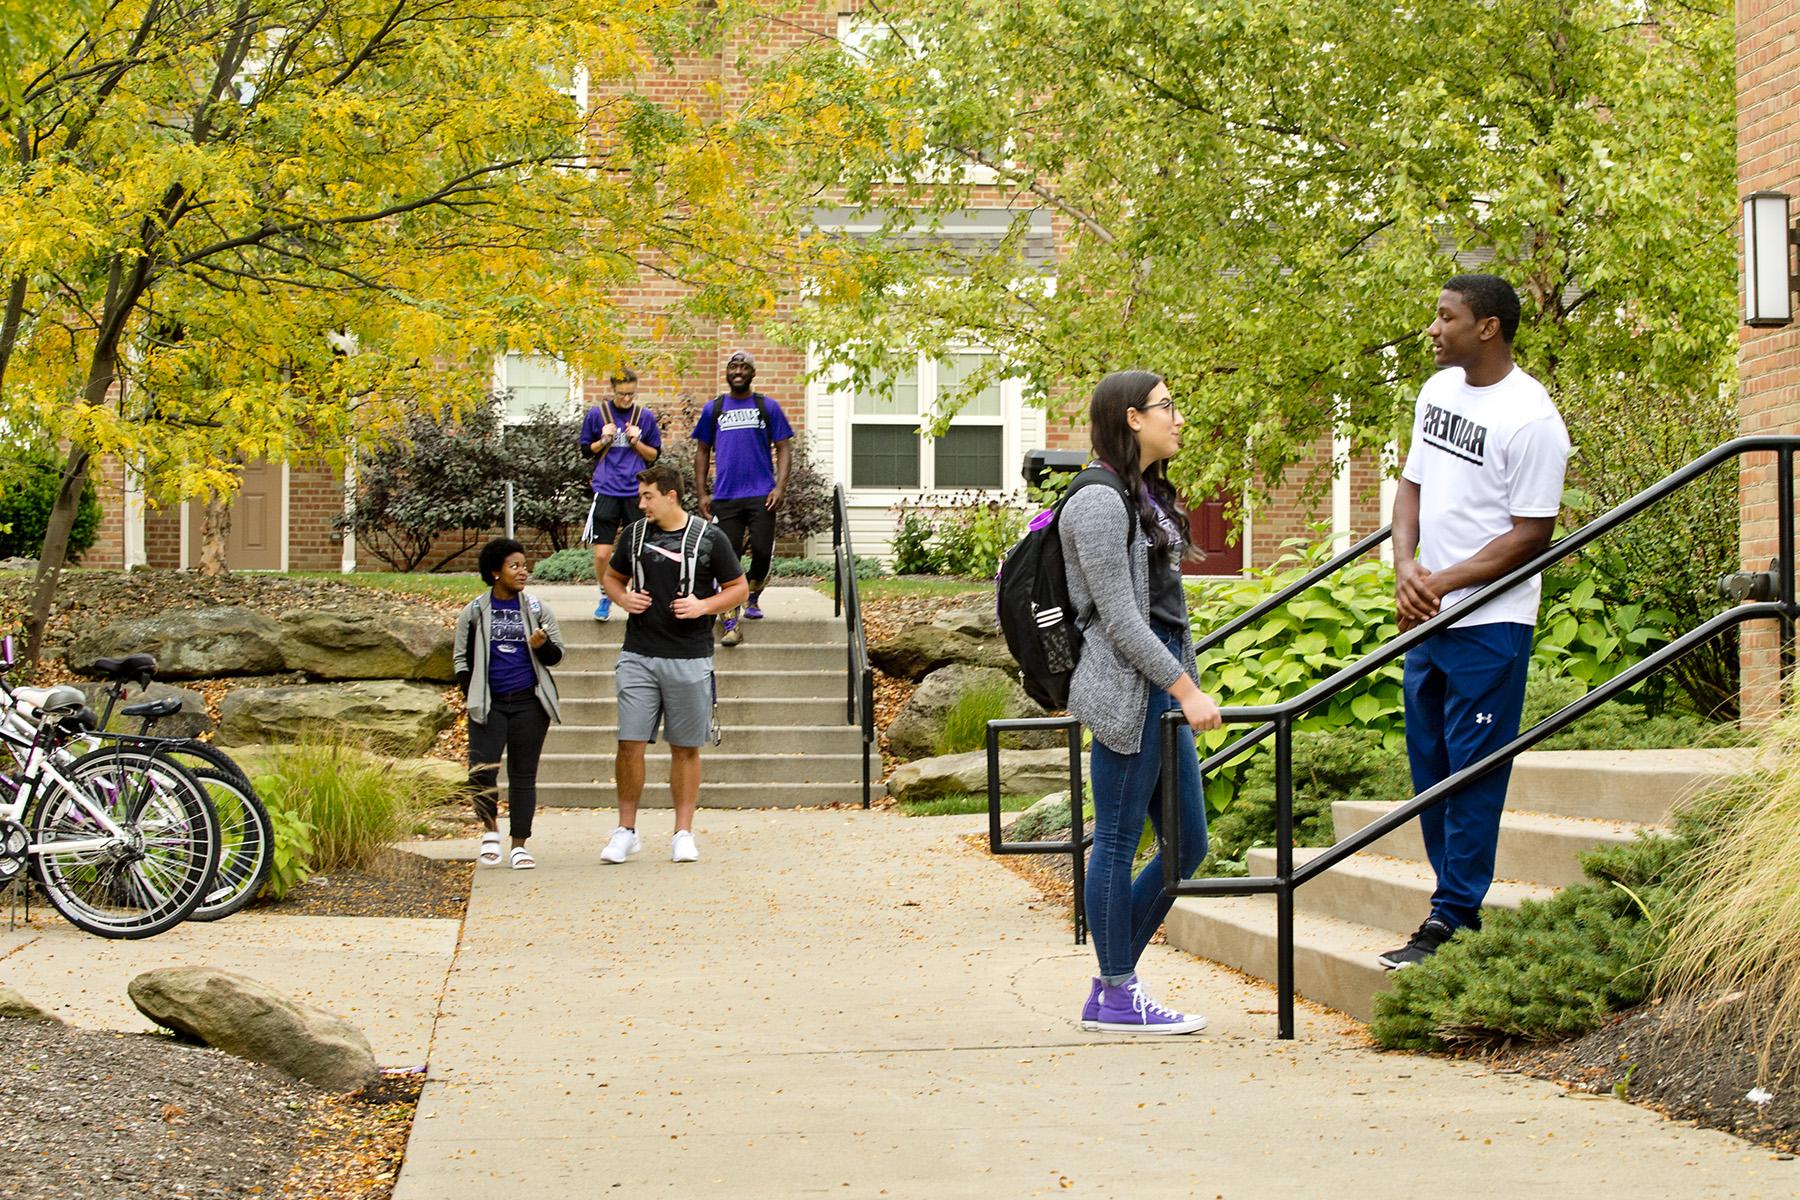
(55, 549)
(214, 526)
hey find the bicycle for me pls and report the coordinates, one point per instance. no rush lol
(123, 842)
(246, 834)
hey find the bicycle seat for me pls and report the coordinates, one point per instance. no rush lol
(139, 668)
(60, 699)
(156, 710)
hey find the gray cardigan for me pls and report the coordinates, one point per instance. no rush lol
(1121, 656)
(476, 616)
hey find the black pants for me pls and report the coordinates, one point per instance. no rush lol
(517, 725)
(750, 515)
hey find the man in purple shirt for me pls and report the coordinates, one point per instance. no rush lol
(622, 438)
(741, 428)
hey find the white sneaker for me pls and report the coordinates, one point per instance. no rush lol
(682, 848)
(623, 844)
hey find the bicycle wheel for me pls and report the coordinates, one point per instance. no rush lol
(152, 876)
(206, 756)
(246, 845)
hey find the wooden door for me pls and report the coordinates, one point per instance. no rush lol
(253, 542)
(1212, 533)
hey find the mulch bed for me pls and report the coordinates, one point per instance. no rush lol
(1688, 1064)
(397, 884)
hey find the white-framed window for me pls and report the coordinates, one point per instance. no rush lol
(531, 382)
(884, 450)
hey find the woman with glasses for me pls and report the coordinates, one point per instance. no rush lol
(1123, 548)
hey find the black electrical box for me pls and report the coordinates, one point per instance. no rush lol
(1039, 463)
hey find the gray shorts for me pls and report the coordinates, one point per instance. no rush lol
(676, 693)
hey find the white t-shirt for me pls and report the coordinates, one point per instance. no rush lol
(1482, 456)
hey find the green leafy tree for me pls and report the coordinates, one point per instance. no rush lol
(1261, 201)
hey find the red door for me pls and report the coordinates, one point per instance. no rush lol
(1208, 528)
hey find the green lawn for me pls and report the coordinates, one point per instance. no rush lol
(961, 804)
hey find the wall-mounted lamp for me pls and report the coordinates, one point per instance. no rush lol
(1768, 278)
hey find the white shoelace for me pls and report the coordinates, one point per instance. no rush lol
(1141, 1004)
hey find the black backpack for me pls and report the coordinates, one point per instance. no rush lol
(1032, 596)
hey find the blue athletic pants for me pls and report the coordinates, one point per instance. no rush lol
(1465, 689)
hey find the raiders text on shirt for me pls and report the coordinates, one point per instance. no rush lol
(1455, 434)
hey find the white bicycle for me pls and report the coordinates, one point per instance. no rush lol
(123, 841)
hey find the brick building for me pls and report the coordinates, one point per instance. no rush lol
(1768, 83)
(282, 518)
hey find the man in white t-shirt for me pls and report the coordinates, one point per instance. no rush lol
(1479, 496)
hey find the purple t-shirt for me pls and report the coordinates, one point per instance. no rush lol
(741, 444)
(509, 654)
(616, 470)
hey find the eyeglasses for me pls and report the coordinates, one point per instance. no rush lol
(1159, 404)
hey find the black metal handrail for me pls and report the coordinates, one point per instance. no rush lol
(860, 709)
(1079, 838)
(1279, 719)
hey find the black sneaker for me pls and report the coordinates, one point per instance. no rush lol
(1432, 934)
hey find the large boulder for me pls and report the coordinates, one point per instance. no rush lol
(916, 728)
(192, 721)
(386, 714)
(15, 1007)
(964, 635)
(189, 643)
(333, 645)
(1045, 821)
(1022, 773)
(242, 1016)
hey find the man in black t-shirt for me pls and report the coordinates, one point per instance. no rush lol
(672, 573)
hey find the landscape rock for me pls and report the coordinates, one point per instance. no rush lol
(1045, 821)
(192, 721)
(333, 645)
(1022, 772)
(18, 564)
(387, 714)
(251, 1020)
(918, 650)
(14, 1006)
(978, 621)
(915, 730)
(201, 643)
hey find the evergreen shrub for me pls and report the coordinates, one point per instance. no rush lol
(29, 481)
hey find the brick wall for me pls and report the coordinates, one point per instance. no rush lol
(1768, 66)
(315, 500)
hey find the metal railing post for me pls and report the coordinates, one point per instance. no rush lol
(1784, 549)
(1284, 873)
(1077, 839)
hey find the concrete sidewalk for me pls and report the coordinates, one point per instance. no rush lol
(859, 1004)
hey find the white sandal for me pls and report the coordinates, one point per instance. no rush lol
(522, 860)
(490, 850)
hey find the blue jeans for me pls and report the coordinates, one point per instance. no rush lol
(1122, 912)
(1465, 689)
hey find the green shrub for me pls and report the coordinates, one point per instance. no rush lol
(574, 565)
(867, 567)
(355, 802)
(29, 481)
(913, 554)
(976, 533)
(293, 852)
(965, 725)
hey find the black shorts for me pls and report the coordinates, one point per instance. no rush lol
(605, 516)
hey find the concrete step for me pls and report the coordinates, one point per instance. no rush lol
(1639, 786)
(586, 633)
(774, 770)
(719, 793)
(734, 712)
(600, 741)
(733, 685)
(1533, 847)
(752, 655)
(1386, 893)
(1334, 961)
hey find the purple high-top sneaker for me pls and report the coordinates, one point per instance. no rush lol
(1090, 1012)
(753, 610)
(1128, 1008)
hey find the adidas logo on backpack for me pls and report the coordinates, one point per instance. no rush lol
(1031, 596)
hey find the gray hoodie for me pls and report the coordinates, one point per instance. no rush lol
(471, 653)
(1121, 656)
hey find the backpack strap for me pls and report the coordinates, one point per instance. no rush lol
(1097, 475)
(690, 559)
(637, 555)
